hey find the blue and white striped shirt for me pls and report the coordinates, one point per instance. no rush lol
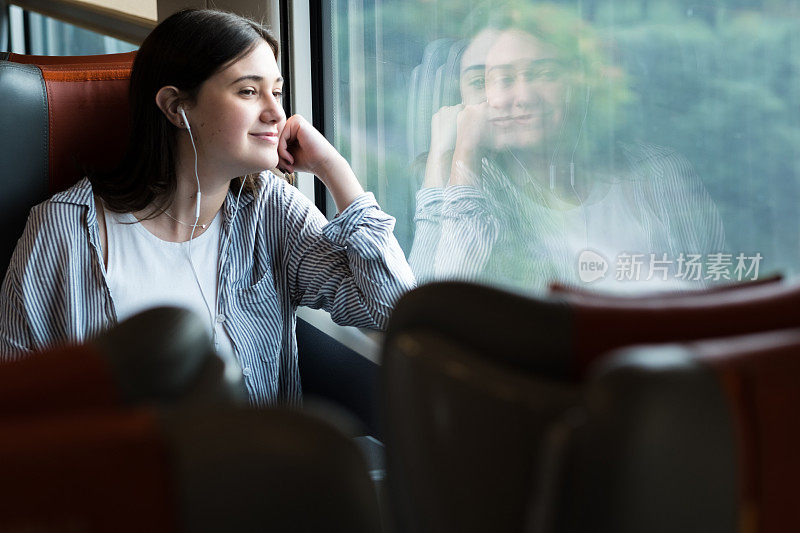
(282, 254)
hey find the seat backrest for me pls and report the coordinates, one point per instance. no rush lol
(60, 117)
(562, 289)
(462, 434)
(464, 407)
(603, 324)
(472, 377)
(276, 469)
(696, 437)
(162, 355)
(182, 470)
(92, 471)
(561, 336)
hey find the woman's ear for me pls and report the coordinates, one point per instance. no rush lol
(168, 99)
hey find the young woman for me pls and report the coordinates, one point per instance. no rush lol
(191, 217)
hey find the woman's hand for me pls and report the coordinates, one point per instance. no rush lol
(301, 147)
(472, 128)
(443, 141)
(444, 129)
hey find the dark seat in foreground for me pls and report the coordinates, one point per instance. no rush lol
(145, 429)
(473, 378)
(694, 437)
(185, 469)
(163, 355)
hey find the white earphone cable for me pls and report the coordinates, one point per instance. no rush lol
(211, 316)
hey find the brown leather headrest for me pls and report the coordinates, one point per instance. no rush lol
(604, 324)
(88, 112)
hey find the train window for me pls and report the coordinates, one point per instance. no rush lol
(617, 145)
(37, 34)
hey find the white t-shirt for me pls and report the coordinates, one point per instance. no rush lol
(144, 271)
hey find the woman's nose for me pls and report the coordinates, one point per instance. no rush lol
(273, 111)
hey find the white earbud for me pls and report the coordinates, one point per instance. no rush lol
(182, 113)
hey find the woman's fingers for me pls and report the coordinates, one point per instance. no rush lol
(287, 136)
(303, 147)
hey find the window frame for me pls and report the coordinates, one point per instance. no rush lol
(95, 18)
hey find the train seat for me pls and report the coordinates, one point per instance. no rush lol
(61, 116)
(603, 324)
(473, 377)
(160, 356)
(691, 437)
(182, 469)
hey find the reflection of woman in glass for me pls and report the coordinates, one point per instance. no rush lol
(518, 184)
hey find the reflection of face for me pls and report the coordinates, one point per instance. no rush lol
(473, 68)
(238, 115)
(524, 90)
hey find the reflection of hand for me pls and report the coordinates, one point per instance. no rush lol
(443, 141)
(472, 126)
(443, 129)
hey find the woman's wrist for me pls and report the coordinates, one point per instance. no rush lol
(340, 180)
(465, 167)
(437, 170)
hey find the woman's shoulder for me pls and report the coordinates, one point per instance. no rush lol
(65, 207)
(55, 226)
(641, 155)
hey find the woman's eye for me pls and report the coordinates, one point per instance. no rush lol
(277, 94)
(247, 92)
(477, 83)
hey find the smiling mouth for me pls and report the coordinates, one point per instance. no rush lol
(518, 119)
(269, 136)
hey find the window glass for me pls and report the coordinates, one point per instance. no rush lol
(611, 144)
(52, 37)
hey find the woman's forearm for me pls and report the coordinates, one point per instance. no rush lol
(340, 180)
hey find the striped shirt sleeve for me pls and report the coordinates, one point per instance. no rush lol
(469, 233)
(427, 233)
(353, 266)
(15, 335)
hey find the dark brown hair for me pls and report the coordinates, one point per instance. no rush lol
(184, 50)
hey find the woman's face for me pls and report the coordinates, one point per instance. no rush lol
(524, 90)
(238, 115)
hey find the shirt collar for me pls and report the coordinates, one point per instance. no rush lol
(81, 194)
(247, 196)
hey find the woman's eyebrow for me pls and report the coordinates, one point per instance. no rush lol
(254, 77)
(525, 63)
